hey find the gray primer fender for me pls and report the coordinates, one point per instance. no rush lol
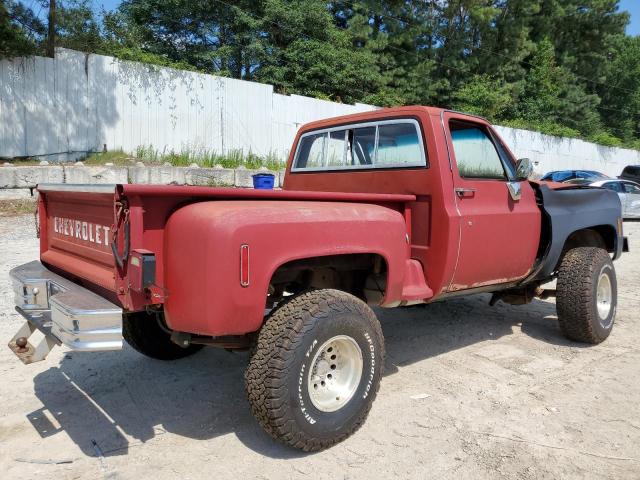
(572, 209)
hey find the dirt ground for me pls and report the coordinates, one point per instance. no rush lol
(470, 391)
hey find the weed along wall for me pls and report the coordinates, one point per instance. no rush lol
(60, 109)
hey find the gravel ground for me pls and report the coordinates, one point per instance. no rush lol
(470, 391)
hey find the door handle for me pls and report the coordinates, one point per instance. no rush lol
(465, 192)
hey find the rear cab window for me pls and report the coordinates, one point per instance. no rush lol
(382, 144)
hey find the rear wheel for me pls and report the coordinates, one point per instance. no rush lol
(586, 294)
(316, 369)
(144, 333)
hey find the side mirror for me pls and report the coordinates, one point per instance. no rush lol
(524, 169)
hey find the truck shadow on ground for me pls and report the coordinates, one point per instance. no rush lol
(110, 402)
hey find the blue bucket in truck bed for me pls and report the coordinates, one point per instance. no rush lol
(263, 181)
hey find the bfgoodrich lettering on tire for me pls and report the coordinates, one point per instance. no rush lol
(316, 369)
(586, 294)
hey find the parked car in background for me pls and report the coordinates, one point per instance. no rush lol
(566, 175)
(631, 172)
(628, 191)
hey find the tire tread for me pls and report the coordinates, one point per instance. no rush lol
(271, 363)
(575, 287)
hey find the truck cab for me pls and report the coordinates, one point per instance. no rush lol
(474, 223)
(387, 208)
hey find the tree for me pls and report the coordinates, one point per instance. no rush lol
(77, 27)
(620, 106)
(20, 30)
(485, 96)
(550, 93)
(304, 52)
(214, 37)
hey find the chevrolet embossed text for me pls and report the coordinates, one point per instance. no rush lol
(90, 232)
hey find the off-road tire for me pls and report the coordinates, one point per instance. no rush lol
(276, 378)
(576, 294)
(145, 335)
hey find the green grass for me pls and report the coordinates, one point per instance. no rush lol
(149, 156)
(218, 183)
(209, 159)
(117, 157)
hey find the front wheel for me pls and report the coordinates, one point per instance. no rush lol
(316, 369)
(587, 294)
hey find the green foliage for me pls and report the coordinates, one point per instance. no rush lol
(209, 159)
(604, 138)
(19, 30)
(77, 28)
(564, 67)
(544, 126)
(620, 106)
(484, 96)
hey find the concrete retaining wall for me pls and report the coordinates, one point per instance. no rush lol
(13, 177)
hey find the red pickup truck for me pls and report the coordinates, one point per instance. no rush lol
(389, 208)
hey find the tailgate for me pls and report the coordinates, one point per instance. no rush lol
(76, 225)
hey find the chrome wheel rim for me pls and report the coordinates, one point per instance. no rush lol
(336, 370)
(604, 297)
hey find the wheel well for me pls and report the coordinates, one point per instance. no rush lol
(361, 274)
(601, 236)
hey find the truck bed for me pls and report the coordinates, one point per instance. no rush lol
(78, 223)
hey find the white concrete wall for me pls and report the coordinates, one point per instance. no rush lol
(80, 102)
(555, 153)
(61, 108)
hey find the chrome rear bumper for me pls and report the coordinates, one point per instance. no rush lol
(64, 312)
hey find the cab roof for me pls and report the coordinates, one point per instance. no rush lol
(372, 115)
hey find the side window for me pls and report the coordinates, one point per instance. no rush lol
(615, 186)
(475, 152)
(311, 151)
(631, 188)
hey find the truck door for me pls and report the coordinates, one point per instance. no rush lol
(499, 219)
